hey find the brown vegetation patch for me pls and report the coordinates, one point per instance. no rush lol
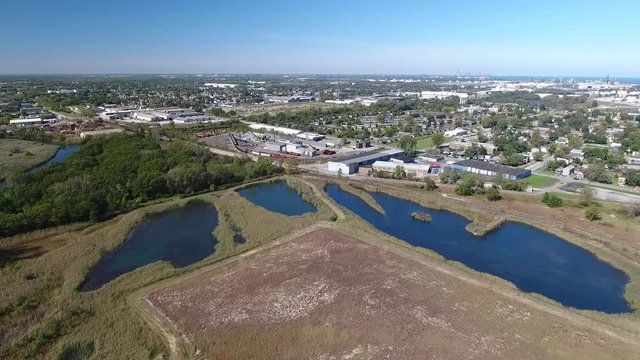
(326, 295)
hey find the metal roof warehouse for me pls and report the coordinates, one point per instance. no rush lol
(351, 165)
(489, 169)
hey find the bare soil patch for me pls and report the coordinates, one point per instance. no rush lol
(326, 295)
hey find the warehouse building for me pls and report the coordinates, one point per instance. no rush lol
(351, 165)
(274, 146)
(149, 115)
(196, 119)
(31, 121)
(310, 136)
(413, 171)
(489, 169)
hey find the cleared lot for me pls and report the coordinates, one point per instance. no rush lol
(327, 295)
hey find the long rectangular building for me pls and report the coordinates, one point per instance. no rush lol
(31, 121)
(489, 169)
(351, 165)
(416, 171)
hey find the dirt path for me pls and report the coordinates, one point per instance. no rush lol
(320, 194)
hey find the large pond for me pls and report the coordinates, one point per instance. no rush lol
(278, 197)
(534, 260)
(182, 236)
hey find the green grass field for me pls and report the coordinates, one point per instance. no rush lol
(423, 142)
(539, 181)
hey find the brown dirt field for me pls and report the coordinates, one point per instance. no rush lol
(326, 295)
(220, 141)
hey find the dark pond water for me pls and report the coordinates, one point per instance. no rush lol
(238, 238)
(534, 260)
(277, 197)
(181, 236)
(59, 156)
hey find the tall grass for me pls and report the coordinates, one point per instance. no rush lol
(44, 316)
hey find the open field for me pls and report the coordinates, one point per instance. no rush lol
(21, 155)
(42, 315)
(329, 295)
(539, 181)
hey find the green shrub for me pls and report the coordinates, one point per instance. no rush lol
(430, 184)
(80, 350)
(592, 212)
(471, 184)
(493, 194)
(552, 200)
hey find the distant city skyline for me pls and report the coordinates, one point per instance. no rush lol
(546, 38)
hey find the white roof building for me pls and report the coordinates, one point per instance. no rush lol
(418, 171)
(455, 132)
(30, 121)
(272, 128)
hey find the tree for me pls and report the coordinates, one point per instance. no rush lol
(552, 200)
(430, 184)
(87, 112)
(597, 171)
(408, 144)
(399, 173)
(587, 196)
(493, 194)
(513, 160)
(471, 184)
(437, 139)
(561, 151)
(474, 151)
(633, 177)
(111, 175)
(449, 176)
(592, 213)
(536, 140)
(575, 142)
(538, 156)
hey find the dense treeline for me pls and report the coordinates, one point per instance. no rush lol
(111, 175)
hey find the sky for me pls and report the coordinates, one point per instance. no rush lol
(516, 37)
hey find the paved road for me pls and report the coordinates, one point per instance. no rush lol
(602, 191)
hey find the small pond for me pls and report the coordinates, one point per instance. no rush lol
(182, 236)
(278, 197)
(534, 260)
(59, 156)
